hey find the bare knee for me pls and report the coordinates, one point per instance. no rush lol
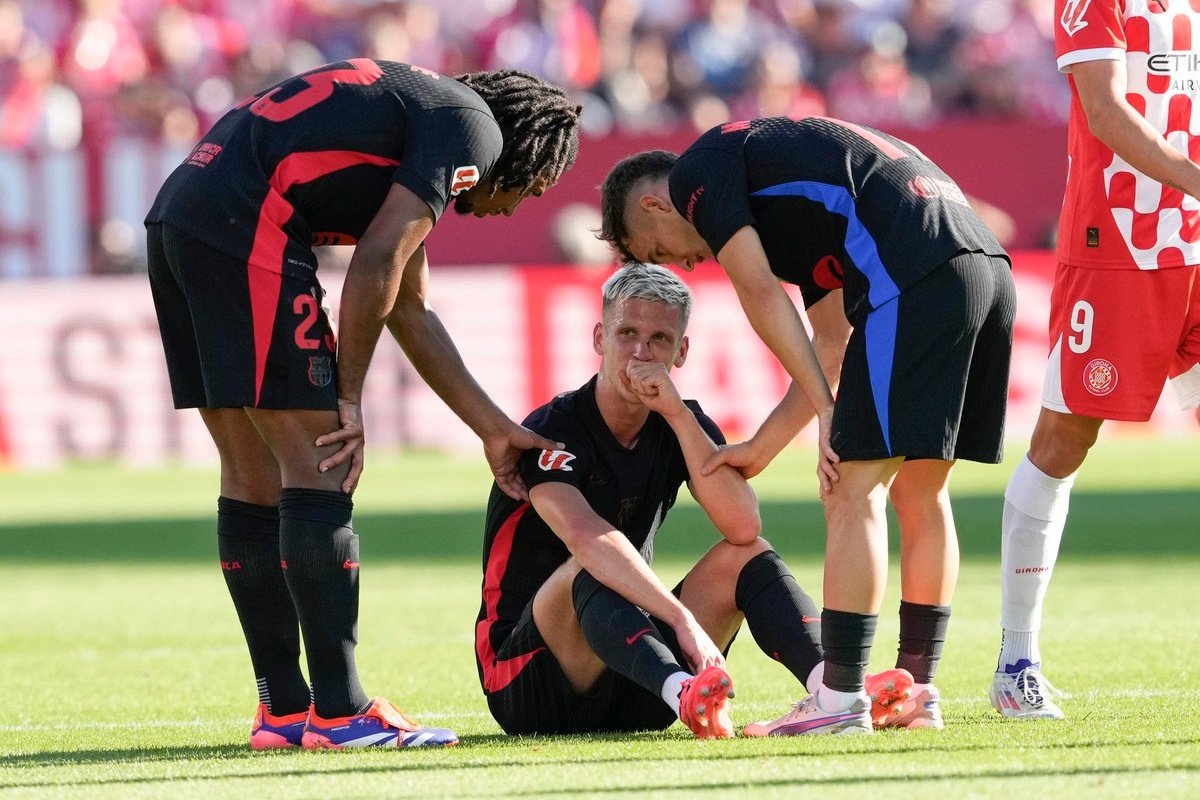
(1061, 442)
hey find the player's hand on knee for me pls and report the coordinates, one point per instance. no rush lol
(352, 438)
(827, 459)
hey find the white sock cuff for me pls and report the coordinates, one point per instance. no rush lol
(1036, 494)
(671, 688)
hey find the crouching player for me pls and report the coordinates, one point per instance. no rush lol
(575, 632)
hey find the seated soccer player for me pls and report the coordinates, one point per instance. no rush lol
(575, 632)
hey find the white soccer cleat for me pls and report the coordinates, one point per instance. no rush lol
(1025, 694)
(807, 718)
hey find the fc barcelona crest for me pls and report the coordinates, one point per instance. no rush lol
(320, 371)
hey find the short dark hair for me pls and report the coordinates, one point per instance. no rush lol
(539, 122)
(614, 194)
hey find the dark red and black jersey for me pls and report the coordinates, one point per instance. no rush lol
(310, 160)
(835, 204)
(631, 488)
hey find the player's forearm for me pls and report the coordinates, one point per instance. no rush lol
(611, 559)
(724, 494)
(367, 296)
(1127, 134)
(776, 322)
(432, 352)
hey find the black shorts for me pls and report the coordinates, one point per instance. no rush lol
(236, 335)
(926, 375)
(540, 700)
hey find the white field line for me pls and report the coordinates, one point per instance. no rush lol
(30, 727)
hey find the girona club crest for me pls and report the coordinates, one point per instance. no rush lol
(1100, 376)
(556, 459)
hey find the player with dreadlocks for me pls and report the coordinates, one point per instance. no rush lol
(359, 152)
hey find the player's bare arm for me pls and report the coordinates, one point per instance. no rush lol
(612, 560)
(368, 294)
(777, 323)
(723, 493)
(420, 333)
(831, 331)
(1111, 119)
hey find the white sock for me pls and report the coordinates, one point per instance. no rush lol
(671, 689)
(1016, 646)
(1035, 511)
(813, 684)
(833, 700)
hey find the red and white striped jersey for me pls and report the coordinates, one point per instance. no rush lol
(1113, 216)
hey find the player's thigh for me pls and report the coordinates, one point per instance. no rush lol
(175, 325)
(263, 339)
(526, 688)
(558, 625)
(291, 436)
(249, 471)
(1115, 338)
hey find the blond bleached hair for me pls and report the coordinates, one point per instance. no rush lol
(637, 281)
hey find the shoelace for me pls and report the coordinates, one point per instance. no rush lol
(1032, 683)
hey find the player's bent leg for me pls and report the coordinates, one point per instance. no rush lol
(709, 589)
(249, 471)
(556, 620)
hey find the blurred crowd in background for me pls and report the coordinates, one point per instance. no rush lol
(76, 70)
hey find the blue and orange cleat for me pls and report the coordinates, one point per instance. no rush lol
(381, 725)
(703, 704)
(270, 732)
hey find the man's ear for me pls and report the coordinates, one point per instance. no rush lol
(597, 338)
(653, 203)
(683, 351)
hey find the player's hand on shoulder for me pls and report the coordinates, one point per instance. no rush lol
(652, 384)
(503, 452)
(351, 437)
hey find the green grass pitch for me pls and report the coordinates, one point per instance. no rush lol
(123, 673)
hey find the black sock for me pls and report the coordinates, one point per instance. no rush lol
(622, 635)
(248, 544)
(922, 634)
(320, 556)
(785, 621)
(846, 638)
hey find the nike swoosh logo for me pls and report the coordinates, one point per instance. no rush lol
(636, 636)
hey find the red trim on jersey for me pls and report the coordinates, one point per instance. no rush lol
(884, 146)
(498, 673)
(270, 241)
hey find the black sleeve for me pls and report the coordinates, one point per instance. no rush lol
(571, 465)
(709, 189)
(449, 149)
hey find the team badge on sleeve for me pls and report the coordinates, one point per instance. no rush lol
(555, 459)
(464, 178)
